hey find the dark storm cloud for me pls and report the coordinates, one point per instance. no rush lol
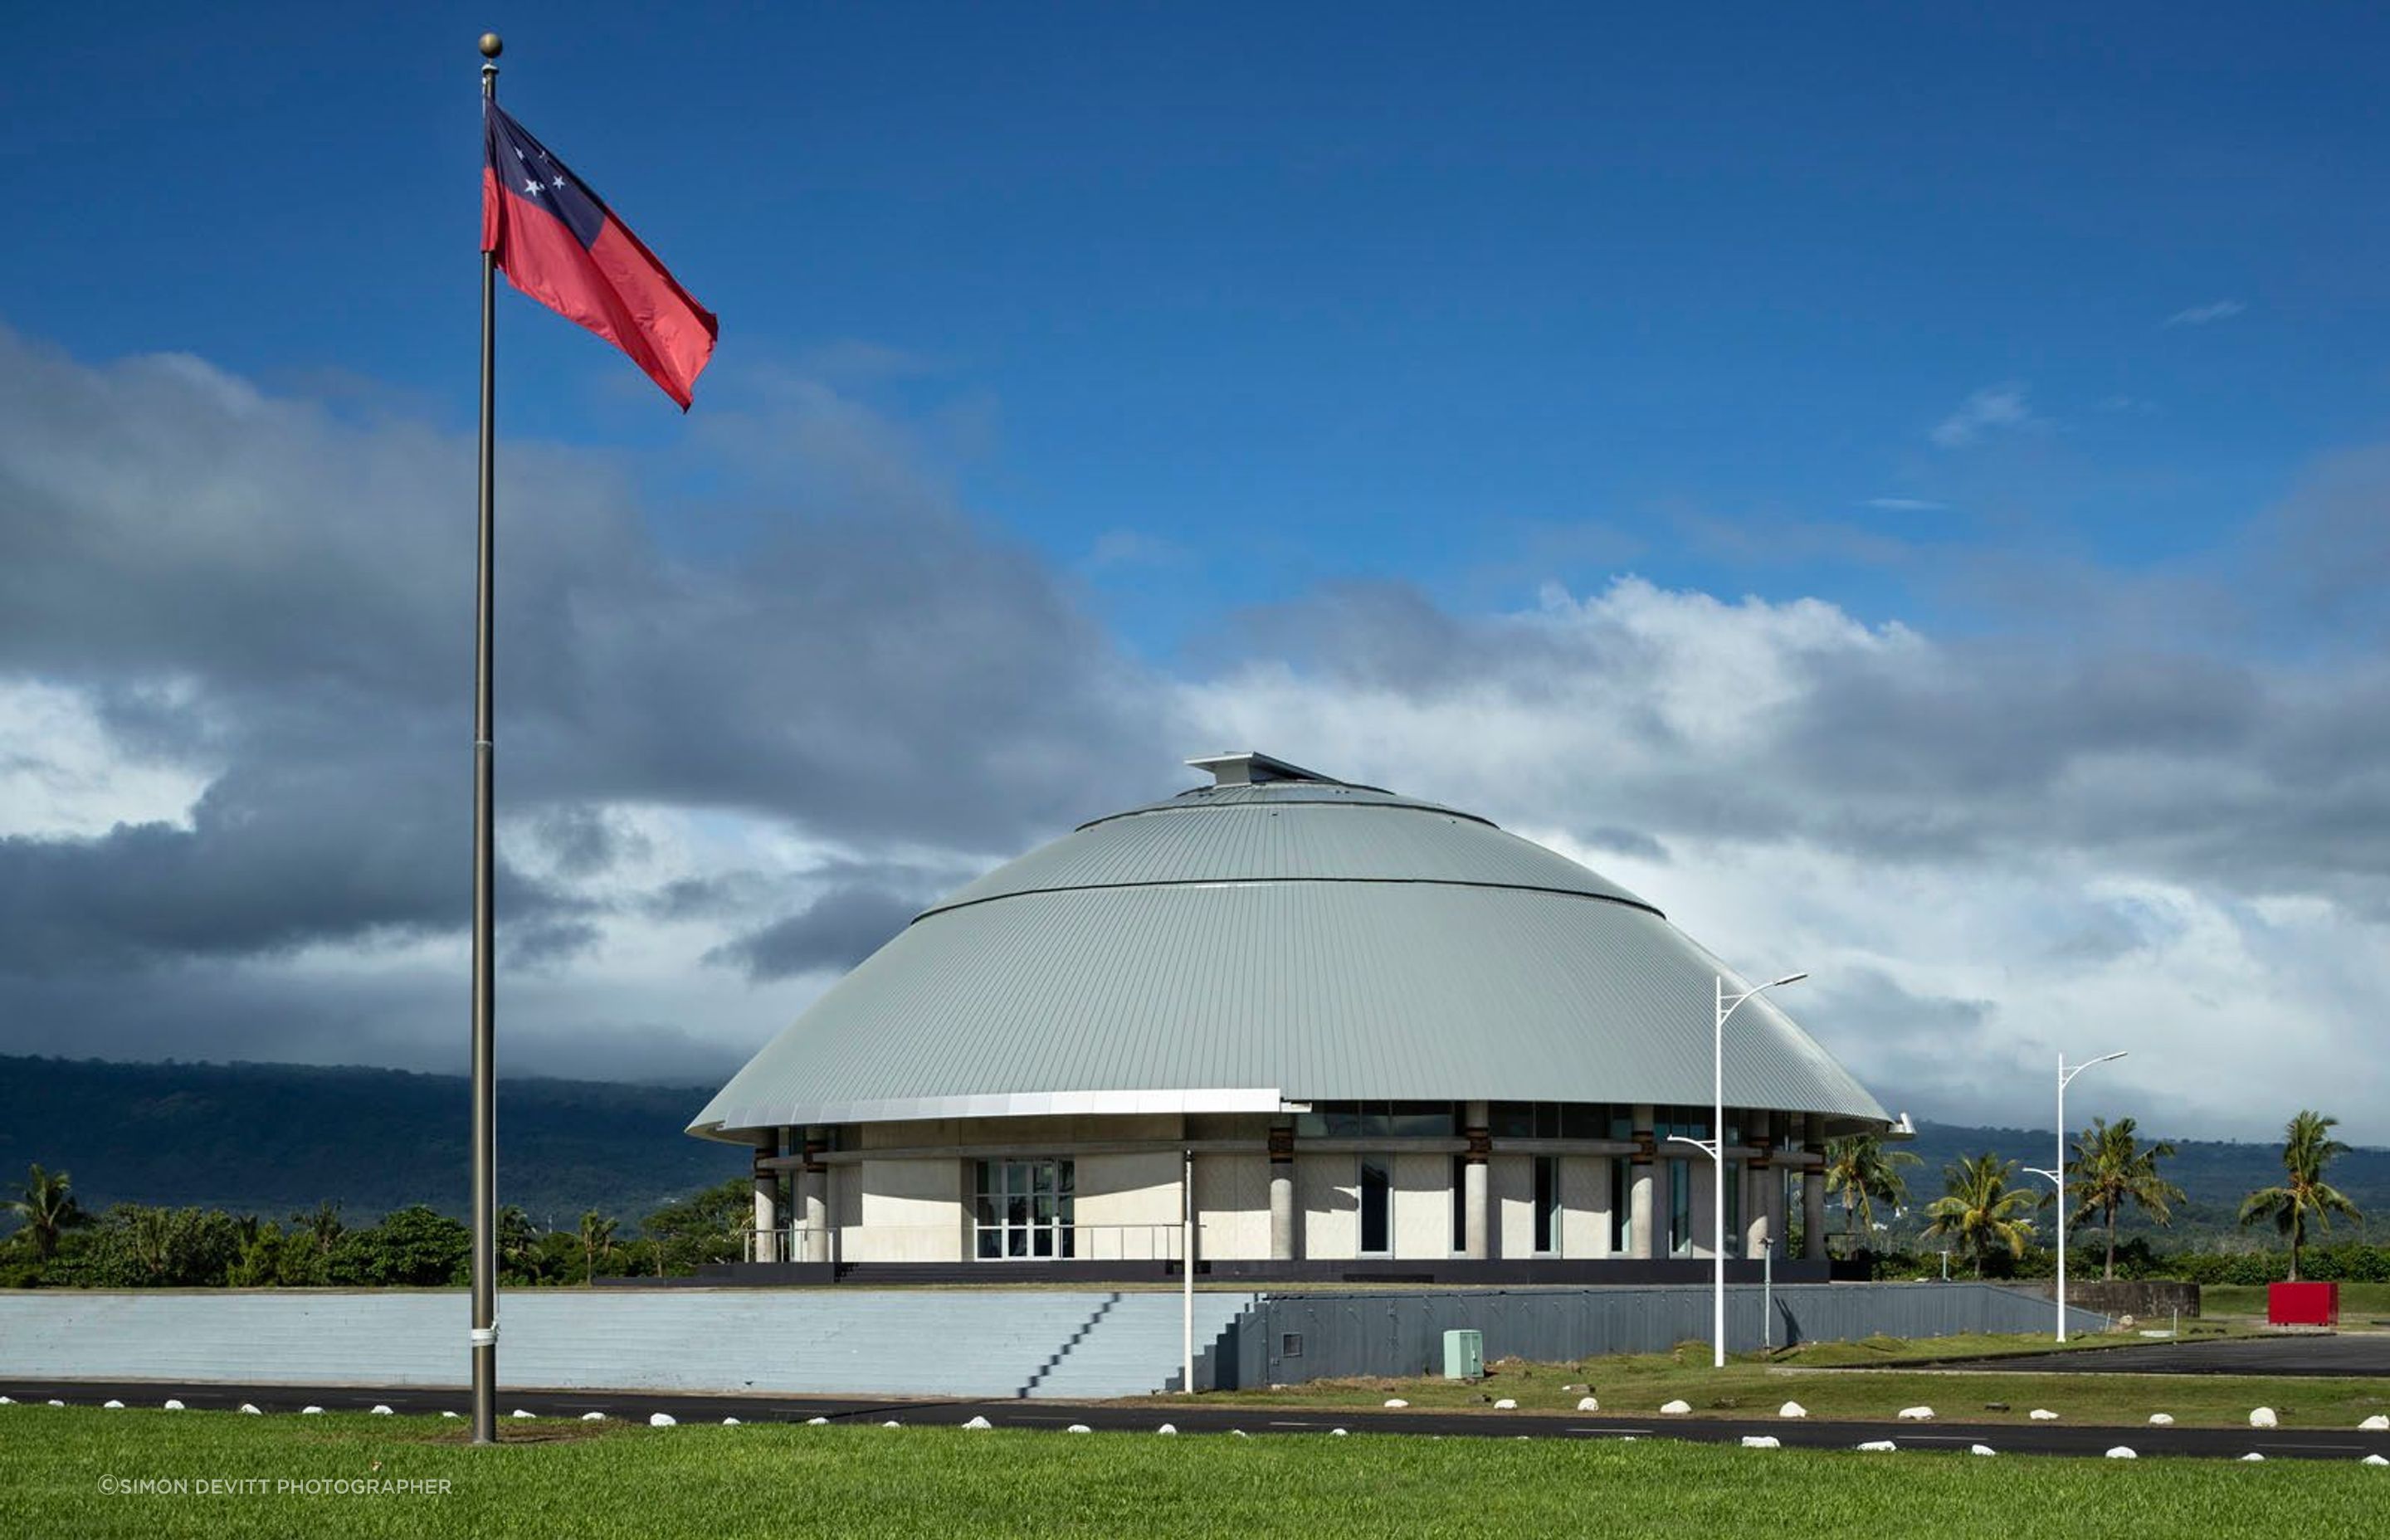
(832, 933)
(255, 589)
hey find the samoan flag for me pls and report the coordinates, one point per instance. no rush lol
(557, 242)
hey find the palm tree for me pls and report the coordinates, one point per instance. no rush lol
(323, 1226)
(46, 1204)
(1861, 1172)
(2111, 1169)
(596, 1241)
(2307, 1147)
(1981, 1208)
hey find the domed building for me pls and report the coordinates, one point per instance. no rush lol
(1371, 1038)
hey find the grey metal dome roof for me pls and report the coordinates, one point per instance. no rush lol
(1280, 936)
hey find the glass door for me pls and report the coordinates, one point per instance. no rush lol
(1024, 1209)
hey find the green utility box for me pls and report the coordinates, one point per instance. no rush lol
(1464, 1355)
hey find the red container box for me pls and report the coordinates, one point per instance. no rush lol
(2303, 1305)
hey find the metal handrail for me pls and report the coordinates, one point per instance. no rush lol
(1147, 1242)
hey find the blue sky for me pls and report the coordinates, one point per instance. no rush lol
(1900, 487)
(1218, 303)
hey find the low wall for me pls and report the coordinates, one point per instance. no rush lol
(1287, 1338)
(983, 1343)
(2146, 1300)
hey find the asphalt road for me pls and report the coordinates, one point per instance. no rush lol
(1051, 1417)
(2313, 1355)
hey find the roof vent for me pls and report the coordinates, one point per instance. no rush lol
(1248, 768)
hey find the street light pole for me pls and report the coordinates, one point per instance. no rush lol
(1714, 1147)
(2058, 1176)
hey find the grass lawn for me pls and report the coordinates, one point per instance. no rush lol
(2360, 1302)
(1640, 1383)
(570, 1479)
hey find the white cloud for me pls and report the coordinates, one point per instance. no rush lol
(1993, 408)
(64, 774)
(1974, 885)
(2206, 315)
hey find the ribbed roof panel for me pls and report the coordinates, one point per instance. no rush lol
(1285, 832)
(1090, 997)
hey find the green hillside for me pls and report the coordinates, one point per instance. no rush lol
(273, 1138)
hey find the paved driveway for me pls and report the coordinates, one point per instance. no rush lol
(2360, 1354)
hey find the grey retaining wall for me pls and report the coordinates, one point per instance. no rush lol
(1081, 1342)
(1289, 1338)
(951, 1341)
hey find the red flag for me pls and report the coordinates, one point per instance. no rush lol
(557, 242)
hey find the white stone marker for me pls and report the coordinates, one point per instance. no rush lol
(1587, 1404)
(730, 1422)
(2251, 1455)
(248, 1410)
(1982, 1449)
(817, 1422)
(2042, 1413)
(457, 1415)
(1791, 1408)
(1917, 1414)
(1167, 1427)
(980, 1422)
(1879, 1446)
(2161, 1419)
(1676, 1409)
(311, 1411)
(172, 1404)
(1506, 1404)
(1078, 1428)
(891, 1422)
(2121, 1452)
(1396, 1404)
(1238, 1432)
(2377, 1423)
(593, 1417)
(60, 1403)
(2264, 1417)
(382, 1411)
(662, 1419)
(114, 1406)
(518, 1412)
(1762, 1440)
(1336, 1432)
(2374, 1459)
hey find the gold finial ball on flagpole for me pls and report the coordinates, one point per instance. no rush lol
(492, 46)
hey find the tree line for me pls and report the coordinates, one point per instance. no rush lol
(1988, 1214)
(57, 1243)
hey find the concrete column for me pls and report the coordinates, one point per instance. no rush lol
(1758, 1214)
(813, 1202)
(1281, 1180)
(1638, 1187)
(767, 1207)
(1813, 1189)
(1475, 1233)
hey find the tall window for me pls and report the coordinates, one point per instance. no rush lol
(1680, 1208)
(1622, 1179)
(1377, 1193)
(1460, 1204)
(1734, 1208)
(1024, 1209)
(1548, 1204)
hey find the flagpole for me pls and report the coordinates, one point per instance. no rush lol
(484, 1335)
